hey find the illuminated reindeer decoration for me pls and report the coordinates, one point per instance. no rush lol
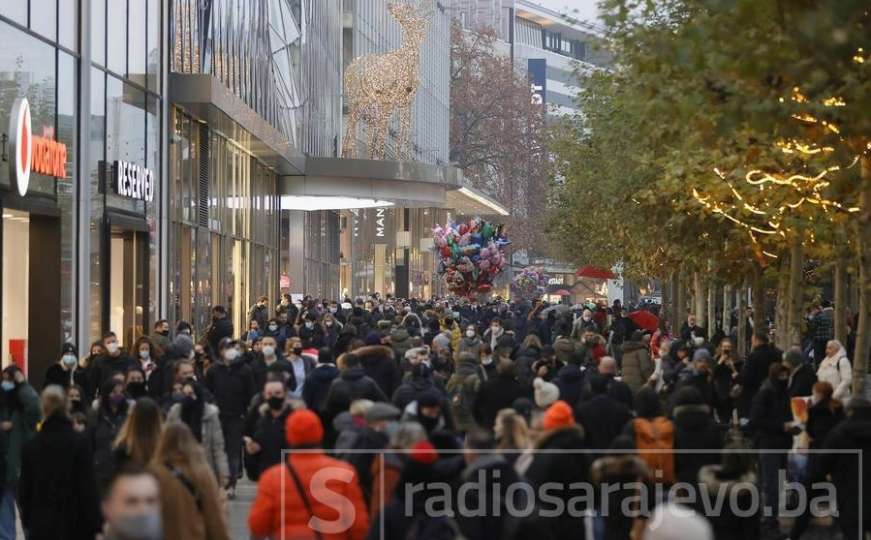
(376, 85)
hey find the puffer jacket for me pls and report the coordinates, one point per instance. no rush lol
(637, 366)
(213, 438)
(715, 482)
(379, 363)
(280, 512)
(462, 388)
(400, 340)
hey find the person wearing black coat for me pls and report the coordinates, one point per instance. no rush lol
(351, 384)
(498, 393)
(755, 370)
(379, 363)
(602, 417)
(418, 381)
(772, 422)
(557, 459)
(570, 381)
(848, 468)
(269, 435)
(318, 382)
(66, 371)
(232, 384)
(694, 429)
(220, 329)
(104, 427)
(113, 360)
(801, 376)
(311, 333)
(57, 490)
(270, 359)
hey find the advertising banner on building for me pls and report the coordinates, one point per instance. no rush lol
(538, 80)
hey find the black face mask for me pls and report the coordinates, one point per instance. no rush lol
(428, 422)
(189, 402)
(164, 333)
(276, 403)
(136, 389)
(76, 405)
(297, 351)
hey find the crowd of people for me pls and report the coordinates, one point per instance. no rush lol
(149, 441)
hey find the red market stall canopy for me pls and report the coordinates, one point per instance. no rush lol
(645, 320)
(594, 272)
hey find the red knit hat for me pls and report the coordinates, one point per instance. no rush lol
(303, 428)
(558, 415)
(423, 452)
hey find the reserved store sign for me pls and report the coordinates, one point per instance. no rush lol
(132, 181)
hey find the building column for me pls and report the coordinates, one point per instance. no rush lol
(82, 267)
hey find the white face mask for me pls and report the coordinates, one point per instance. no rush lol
(273, 327)
(231, 354)
(470, 333)
(145, 355)
(268, 350)
(113, 347)
(698, 341)
(69, 360)
(309, 325)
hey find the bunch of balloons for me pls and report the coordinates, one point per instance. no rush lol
(471, 255)
(529, 284)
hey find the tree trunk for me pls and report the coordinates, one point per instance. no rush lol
(796, 297)
(742, 320)
(839, 276)
(666, 308)
(863, 248)
(781, 326)
(712, 309)
(727, 309)
(699, 298)
(758, 300)
(680, 313)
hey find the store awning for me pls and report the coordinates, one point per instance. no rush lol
(472, 202)
(340, 183)
(207, 98)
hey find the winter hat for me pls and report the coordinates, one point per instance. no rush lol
(382, 411)
(558, 415)
(183, 345)
(360, 407)
(428, 398)
(524, 407)
(545, 393)
(701, 354)
(688, 396)
(675, 521)
(373, 338)
(419, 465)
(69, 348)
(303, 428)
(441, 340)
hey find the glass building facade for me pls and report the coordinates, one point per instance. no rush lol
(80, 256)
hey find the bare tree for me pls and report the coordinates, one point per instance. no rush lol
(498, 132)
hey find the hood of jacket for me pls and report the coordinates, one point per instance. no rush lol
(353, 374)
(570, 373)
(323, 373)
(565, 438)
(691, 416)
(373, 354)
(629, 346)
(399, 336)
(467, 366)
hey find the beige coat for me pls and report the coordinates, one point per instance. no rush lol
(212, 437)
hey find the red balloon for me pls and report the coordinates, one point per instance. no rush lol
(446, 251)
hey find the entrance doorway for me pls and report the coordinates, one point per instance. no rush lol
(31, 293)
(128, 284)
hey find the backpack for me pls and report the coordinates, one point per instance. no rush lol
(656, 435)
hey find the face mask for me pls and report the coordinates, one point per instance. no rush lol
(69, 360)
(7, 386)
(164, 333)
(309, 325)
(136, 389)
(268, 350)
(137, 527)
(487, 360)
(276, 403)
(333, 309)
(231, 354)
(273, 327)
(112, 348)
(329, 324)
(116, 399)
(145, 355)
(470, 334)
(297, 351)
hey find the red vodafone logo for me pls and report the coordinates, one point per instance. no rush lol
(21, 142)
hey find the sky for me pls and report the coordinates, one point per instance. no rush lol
(586, 9)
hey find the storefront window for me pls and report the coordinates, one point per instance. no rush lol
(125, 134)
(68, 24)
(152, 161)
(15, 10)
(43, 18)
(98, 32)
(136, 42)
(66, 132)
(16, 297)
(98, 140)
(116, 23)
(152, 47)
(27, 69)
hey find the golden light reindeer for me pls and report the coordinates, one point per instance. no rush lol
(377, 85)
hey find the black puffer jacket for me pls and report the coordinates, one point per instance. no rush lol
(380, 365)
(351, 385)
(570, 381)
(849, 474)
(603, 418)
(694, 429)
(739, 490)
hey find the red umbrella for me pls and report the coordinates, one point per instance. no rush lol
(594, 272)
(561, 292)
(645, 320)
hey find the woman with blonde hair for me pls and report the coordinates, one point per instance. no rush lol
(835, 369)
(190, 499)
(137, 439)
(512, 434)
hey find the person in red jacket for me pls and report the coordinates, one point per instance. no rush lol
(324, 496)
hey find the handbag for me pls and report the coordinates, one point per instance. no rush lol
(298, 483)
